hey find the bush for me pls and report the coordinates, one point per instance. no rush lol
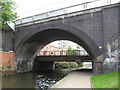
(80, 64)
(65, 65)
(1, 67)
(8, 67)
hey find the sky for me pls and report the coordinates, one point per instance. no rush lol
(29, 7)
(65, 44)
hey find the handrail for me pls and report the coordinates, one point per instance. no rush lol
(66, 10)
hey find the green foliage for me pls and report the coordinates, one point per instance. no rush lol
(7, 12)
(80, 64)
(8, 67)
(69, 48)
(2, 68)
(5, 67)
(72, 51)
(65, 65)
(106, 81)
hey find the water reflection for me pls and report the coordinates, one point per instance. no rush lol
(47, 79)
(41, 80)
(44, 83)
(25, 80)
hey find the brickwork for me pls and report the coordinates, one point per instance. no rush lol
(7, 62)
(97, 32)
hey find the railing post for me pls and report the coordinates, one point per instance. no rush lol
(33, 18)
(20, 21)
(47, 14)
(109, 1)
(85, 6)
(64, 10)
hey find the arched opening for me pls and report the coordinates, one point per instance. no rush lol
(30, 48)
(62, 54)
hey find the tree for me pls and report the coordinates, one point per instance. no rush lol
(72, 51)
(69, 52)
(7, 12)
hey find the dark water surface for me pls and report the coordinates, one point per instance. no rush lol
(39, 80)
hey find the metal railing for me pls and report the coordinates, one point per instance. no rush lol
(66, 10)
(64, 53)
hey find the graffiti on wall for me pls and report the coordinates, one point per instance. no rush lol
(111, 62)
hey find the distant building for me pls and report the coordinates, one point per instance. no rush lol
(59, 47)
(52, 50)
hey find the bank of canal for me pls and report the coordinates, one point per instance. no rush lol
(39, 80)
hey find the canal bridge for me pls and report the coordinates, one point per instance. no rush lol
(47, 58)
(93, 28)
(64, 55)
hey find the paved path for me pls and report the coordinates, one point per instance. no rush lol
(76, 79)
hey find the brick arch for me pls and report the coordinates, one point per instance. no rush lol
(29, 45)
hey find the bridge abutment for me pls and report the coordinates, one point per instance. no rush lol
(97, 65)
(23, 66)
(43, 66)
(98, 68)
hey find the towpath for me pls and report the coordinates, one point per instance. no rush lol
(76, 79)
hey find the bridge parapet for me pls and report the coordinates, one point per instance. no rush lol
(82, 7)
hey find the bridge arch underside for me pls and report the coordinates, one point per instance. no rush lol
(28, 49)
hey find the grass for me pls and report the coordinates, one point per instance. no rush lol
(106, 80)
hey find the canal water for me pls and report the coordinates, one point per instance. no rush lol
(39, 81)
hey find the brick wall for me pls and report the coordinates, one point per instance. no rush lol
(7, 62)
